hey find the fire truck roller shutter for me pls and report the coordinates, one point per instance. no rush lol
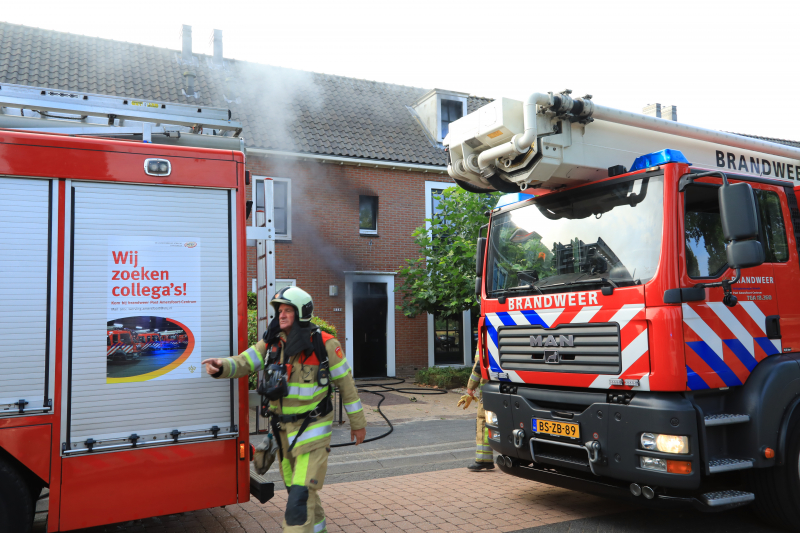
(110, 412)
(25, 212)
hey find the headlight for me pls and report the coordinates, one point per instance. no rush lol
(491, 418)
(653, 463)
(665, 443)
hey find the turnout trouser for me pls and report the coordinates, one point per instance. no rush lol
(483, 452)
(304, 475)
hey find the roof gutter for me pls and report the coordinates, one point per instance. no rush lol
(332, 159)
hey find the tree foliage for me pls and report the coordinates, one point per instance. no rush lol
(442, 279)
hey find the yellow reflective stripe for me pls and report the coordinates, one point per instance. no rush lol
(228, 366)
(300, 470)
(312, 433)
(254, 358)
(353, 407)
(286, 470)
(304, 395)
(293, 410)
(250, 361)
(340, 369)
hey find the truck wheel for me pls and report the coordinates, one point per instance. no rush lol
(777, 489)
(16, 504)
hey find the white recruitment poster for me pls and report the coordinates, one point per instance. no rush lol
(153, 309)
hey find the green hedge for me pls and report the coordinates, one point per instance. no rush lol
(444, 377)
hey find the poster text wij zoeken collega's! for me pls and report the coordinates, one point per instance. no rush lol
(137, 274)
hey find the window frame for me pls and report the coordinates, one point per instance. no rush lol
(376, 205)
(449, 98)
(255, 180)
(285, 281)
(716, 184)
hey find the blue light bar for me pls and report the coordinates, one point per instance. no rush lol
(658, 158)
(514, 197)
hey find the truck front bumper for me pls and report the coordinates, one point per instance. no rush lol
(610, 433)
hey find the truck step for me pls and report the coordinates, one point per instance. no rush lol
(726, 497)
(725, 419)
(716, 466)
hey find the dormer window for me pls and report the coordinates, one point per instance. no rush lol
(451, 111)
(436, 110)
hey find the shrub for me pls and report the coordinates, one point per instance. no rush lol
(252, 301)
(324, 326)
(444, 377)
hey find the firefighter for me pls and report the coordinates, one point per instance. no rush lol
(483, 452)
(298, 384)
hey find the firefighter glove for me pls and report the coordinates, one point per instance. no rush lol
(265, 455)
(465, 401)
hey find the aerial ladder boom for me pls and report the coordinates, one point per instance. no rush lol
(552, 140)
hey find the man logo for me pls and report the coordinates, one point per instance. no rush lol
(550, 340)
(552, 357)
(190, 244)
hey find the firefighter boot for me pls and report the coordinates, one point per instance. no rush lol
(478, 466)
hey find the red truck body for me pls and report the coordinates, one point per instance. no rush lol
(580, 376)
(131, 480)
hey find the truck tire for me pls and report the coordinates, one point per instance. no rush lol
(16, 503)
(777, 489)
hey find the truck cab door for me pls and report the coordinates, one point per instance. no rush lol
(722, 345)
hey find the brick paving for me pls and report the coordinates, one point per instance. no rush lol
(430, 502)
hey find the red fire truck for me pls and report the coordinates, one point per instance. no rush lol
(90, 234)
(639, 326)
(148, 342)
(121, 346)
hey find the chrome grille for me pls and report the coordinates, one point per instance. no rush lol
(583, 348)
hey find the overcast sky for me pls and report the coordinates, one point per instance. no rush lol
(729, 65)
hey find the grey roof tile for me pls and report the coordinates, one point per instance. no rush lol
(280, 108)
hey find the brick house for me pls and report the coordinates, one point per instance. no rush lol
(355, 165)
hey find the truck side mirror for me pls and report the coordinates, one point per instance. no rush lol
(481, 249)
(737, 210)
(744, 254)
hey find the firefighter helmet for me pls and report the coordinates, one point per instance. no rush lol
(296, 297)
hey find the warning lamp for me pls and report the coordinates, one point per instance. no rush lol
(157, 167)
(512, 198)
(769, 453)
(242, 448)
(679, 467)
(658, 158)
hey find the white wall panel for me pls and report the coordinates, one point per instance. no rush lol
(108, 412)
(24, 234)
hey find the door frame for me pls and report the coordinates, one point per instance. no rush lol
(370, 277)
(466, 333)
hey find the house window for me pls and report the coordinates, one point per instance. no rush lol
(368, 215)
(452, 110)
(283, 283)
(447, 340)
(281, 204)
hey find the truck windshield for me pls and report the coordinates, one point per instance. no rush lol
(577, 240)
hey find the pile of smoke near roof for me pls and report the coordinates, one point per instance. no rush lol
(275, 105)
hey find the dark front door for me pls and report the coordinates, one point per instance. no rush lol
(369, 329)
